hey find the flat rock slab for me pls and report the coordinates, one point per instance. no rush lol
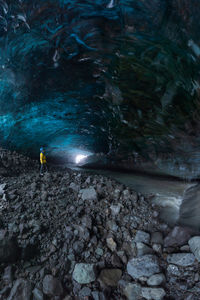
(146, 265)
(84, 273)
(181, 259)
(194, 244)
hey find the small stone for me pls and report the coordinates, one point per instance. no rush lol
(132, 291)
(181, 259)
(196, 277)
(88, 194)
(111, 244)
(157, 238)
(110, 277)
(7, 276)
(142, 237)
(143, 249)
(84, 273)
(115, 209)
(85, 292)
(156, 279)
(157, 248)
(38, 295)
(146, 265)
(173, 270)
(21, 290)
(99, 251)
(153, 293)
(185, 248)
(111, 225)
(194, 244)
(52, 286)
(74, 187)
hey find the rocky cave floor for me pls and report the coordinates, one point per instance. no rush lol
(70, 235)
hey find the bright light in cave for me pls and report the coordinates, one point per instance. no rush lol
(79, 158)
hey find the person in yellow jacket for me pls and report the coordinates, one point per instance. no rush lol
(43, 161)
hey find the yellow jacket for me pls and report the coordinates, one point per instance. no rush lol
(42, 158)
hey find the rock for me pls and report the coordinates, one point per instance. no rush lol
(88, 194)
(156, 279)
(153, 293)
(44, 196)
(177, 237)
(111, 225)
(84, 292)
(194, 244)
(146, 265)
(84, 273)
(142, 237)
(132, 291)
(185, 248)
(21, 290)
(143, 249)
(98, 296)
(38, 295)
(7, 276)
(157, 248)
(181, 259)
(99, 251)
(157, 238)
(2, 188)
(110, 277)
(52, 286)
(9, 251)
(173, 270)
(115, 209)
(74, 187)
(111, 244)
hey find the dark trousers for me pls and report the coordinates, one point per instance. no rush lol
(43, 168)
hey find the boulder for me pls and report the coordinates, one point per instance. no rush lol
(84, 273)
(194, 244)
(181, 259)
(21, 290)
(52, 286)
(146, 265)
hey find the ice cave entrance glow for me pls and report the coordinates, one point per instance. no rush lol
(80, 158)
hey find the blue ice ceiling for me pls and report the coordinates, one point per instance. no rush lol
(99, 76)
